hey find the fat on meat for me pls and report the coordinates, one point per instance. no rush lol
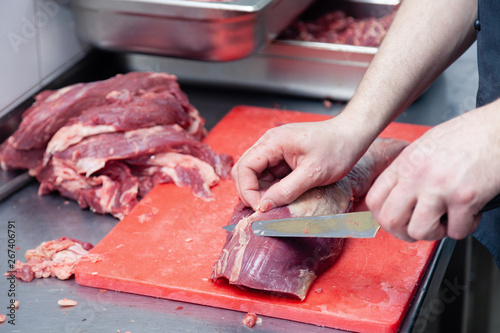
(288, 266)
(52, 258)
(105, 144)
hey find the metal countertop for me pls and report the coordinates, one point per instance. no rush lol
(49, 217)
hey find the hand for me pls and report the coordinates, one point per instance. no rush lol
(452, 169)
(290, 159)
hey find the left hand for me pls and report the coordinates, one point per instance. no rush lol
(454, 168)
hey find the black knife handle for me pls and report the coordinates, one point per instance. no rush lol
(492, 204)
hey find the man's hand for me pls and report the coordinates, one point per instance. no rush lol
(453, 169)
(294, 158)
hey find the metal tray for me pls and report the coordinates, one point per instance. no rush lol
(202, 30)
(310, 69)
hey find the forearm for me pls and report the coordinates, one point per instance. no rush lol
(424, 39)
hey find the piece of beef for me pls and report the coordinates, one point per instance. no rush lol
(339, 28)
(52, 258)
(11, 158)
(124, 112)
(112, 190)
(155, 99)
(110, 172)
(288, 266)
(92, 153)
(180, 169)
(105, 144)
(51, 111)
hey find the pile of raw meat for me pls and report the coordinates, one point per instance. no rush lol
(107, 143)
(339, 28)
(52, 258)
(289, 265)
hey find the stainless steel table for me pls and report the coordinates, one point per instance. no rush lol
(40, 218)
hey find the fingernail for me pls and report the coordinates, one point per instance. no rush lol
(265, 205)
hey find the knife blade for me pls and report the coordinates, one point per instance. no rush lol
(355, 225)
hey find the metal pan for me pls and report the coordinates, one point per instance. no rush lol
(202, 30)
(310, 69)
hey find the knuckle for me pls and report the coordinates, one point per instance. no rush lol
(286, 193)
(456, 234)
(418, 233)
(388, 223)
(466, 196)
(372, 199)
(458, 230)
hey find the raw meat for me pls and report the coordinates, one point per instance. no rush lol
(339, 28)
(91, 154)
(109, 172)
(123, 102)
(52, 258)
(52, 109)
(105, 144)
(250, 319)
(113, 189)
(288, 266)
(124, 112)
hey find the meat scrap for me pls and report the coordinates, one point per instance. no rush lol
(250, 319)
(106, 144)
(339, 28)
(66, 302)
(52, 258)
(288, 266)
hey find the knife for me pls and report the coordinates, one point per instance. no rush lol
(353, 225)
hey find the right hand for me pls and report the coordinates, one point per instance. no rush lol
(294, 158)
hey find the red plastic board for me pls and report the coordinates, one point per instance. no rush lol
(167, 245)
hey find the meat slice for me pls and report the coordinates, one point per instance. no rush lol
(11, 158)
(123, 112)
(289, 266)
(110, 172)
(52, 258)
(91, 154)
(113, 190)
(180, 169)
(52, 110)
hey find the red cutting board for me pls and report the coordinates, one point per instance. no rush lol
(167, 245)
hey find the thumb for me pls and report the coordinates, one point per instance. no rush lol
(287, 189)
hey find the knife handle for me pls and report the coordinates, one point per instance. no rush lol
(492, 204)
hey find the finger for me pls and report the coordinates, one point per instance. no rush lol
(247, 170)
(287, 189)
(247, 185)
(396, 212)
(379, 191)
(461, 222)
(425, 222)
